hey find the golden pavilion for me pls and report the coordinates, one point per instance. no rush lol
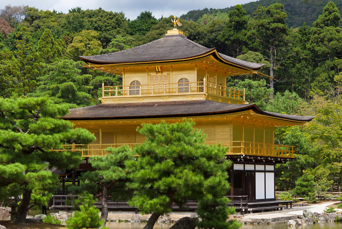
(174, 78)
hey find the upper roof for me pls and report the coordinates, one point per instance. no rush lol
(168, 48)
(169, 109)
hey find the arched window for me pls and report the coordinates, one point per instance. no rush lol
(183, 85)
(134, 88)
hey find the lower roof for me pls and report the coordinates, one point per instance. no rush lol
(168, 109)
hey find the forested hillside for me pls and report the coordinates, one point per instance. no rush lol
(40, 65)
(298, 11)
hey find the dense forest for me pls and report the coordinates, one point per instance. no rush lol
(302, 52)
(298, 11)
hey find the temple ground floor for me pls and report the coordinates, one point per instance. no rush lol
(252, 181)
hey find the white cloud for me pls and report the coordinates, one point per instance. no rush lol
(131, 8)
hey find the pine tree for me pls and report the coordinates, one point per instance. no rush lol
(22, 67)
(49, 49)
(29, 129)
(270, 31)
(109, 171)
(64, 82)
(174, 166)
(234, 35)
(326, 45)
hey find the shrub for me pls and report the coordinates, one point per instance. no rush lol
(296, 200)
(311, 198)
(88, 216)
(51, 220)
(304, 185)
(330, 210)
(285, 196)
(339, 198)
(339, 205)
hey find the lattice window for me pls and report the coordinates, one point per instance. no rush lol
(134, 88)
(159, 83)
(159, 79)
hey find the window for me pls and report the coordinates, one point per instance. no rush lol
(183, 85)
(134, 88)
(201, 86)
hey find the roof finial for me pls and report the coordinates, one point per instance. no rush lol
(176, 22)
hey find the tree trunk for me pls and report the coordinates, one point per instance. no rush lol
(151, 221)
(104, 211)
(271, 72)
(23, 207)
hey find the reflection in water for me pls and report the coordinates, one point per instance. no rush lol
(135, 225)
(284, 226)
(277, 226)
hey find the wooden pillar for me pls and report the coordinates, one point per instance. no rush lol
(100, 134)
(73, 176)
(243, 139)
(254, 140)
(264, 140)
(273, 149)
(63, 185)
(232, 180)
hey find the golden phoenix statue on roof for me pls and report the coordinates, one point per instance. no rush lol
(176, 22)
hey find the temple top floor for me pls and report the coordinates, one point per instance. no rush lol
(172, 68)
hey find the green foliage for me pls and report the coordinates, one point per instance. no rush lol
(339, 205)
(119, 43)
(234, 35)
(29, 129)
(288, 173)
(311, 198)
(86, 43)
(207, 19)
(63, 80)
(329, 210)
(110, 175)
(51, 220)
(88, 216)
(142, 24)
(20, 68)
(288, 103)
(304, 186)
(49, 49)
(269, 31)
(214, 213)
(174, 165)
(285, 196)
(322, 181)
(255, 91)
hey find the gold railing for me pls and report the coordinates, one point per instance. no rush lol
(235, 147)
(173, 89)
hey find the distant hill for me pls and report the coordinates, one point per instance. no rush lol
(298, 11)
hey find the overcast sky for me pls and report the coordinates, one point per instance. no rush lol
(131, 8)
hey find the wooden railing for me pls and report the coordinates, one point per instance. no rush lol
(172, 89)
(235, 147)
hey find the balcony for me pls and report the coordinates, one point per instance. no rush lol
(172, 92)
(235, 148)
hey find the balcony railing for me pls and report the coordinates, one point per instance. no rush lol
(235, 147)
(182, 88)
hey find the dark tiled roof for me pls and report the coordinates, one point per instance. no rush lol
(241, 62)
(167, 109)
(170, 47)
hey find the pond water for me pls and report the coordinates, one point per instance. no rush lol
(278, 226)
